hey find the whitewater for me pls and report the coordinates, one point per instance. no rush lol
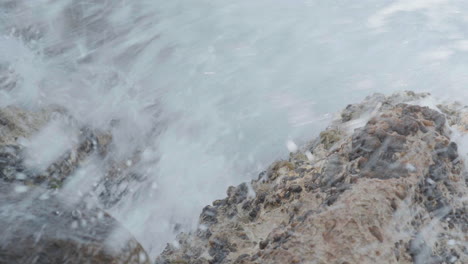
(211, 92)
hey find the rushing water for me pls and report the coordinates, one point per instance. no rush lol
(211, 91)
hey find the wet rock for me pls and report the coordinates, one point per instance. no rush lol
(329, 137)
(38, 223)
(254, 212)
(332, 171)
(450, 151)
(260, 198)
(375, 231)
(208, 215)
(390, 191)
(238, 194)
(263, 244)
(278, 169)
(219, 249)
(52, 231)
(295, 188)
(364, 145)
(349, 113)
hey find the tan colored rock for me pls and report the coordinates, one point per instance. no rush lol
(16, 122)
(385, 185)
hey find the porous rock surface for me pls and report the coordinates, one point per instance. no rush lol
(384, 183)
(38, 223)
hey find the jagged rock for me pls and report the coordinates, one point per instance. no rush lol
(17, 124)
(43, 230)
(383, 184)
(38, 224)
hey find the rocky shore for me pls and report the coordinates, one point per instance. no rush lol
(40, 223)
(384, 183)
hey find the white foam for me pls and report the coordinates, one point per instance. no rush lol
(292, 147)
(309, 156)
(49, 144)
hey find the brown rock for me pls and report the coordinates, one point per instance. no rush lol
(385, 192)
